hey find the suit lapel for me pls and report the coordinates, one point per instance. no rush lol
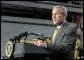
(61, 30)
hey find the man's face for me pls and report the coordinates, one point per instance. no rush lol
(57, 17)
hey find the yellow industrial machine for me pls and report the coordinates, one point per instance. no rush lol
(77, 48)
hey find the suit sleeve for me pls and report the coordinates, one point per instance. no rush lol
(67, 44)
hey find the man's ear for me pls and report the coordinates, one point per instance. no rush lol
(65, 16)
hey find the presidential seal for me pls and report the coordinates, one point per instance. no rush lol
(9, 48)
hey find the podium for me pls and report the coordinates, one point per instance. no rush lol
(26, 50)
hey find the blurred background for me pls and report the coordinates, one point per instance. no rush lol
(36, 17)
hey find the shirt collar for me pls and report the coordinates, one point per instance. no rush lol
(59, 26)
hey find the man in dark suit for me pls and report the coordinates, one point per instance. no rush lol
(64, 38)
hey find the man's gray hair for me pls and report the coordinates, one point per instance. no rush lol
(63, 9)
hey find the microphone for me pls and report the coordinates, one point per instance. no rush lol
(23, 34)
(20, 36)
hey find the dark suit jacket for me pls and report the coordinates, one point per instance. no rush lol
(65, 40)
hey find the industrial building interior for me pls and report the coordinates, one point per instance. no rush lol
(36, 17)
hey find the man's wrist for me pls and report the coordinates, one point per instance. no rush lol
(44, 45)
